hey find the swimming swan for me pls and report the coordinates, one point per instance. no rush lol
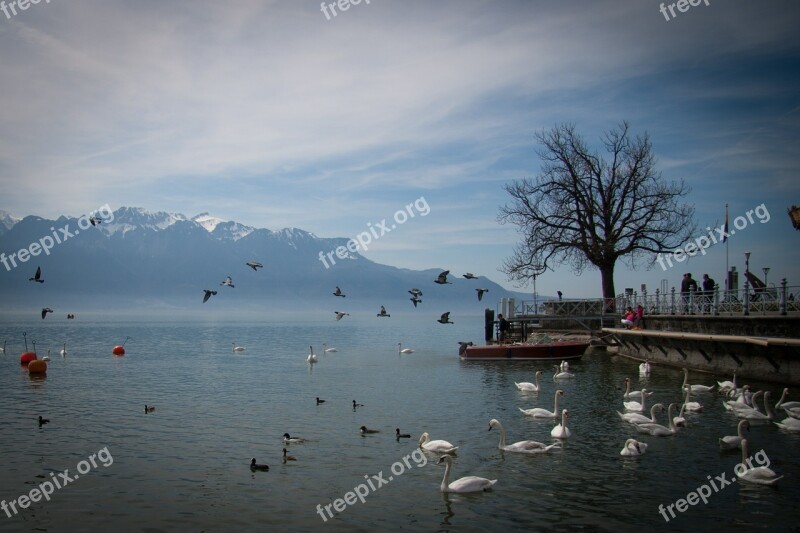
(732, 442)
(754, 414)
(762, 475)
(631, 394)
(438, 446)
(523, 446)
(464, 484)
(639, 418)
(633, 447)
(636, 406)
(789, 424)
(644, 368)
(538, 412)
(695, 388)
(527, 386)
(691, 406)
(658, 430)
(312, 357)
(561, 431)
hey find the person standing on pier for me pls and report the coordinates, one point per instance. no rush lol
(503, 327)
(688, 284)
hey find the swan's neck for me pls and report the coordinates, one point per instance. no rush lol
(685, 378)
(768, 408)
(502, 435)
(783, 396)
(627, 388)
(671, 420)
(446, 478)
(564, 420)
(741, 427)
(555, 404)
(653, 413)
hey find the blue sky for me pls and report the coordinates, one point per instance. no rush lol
(269, 114)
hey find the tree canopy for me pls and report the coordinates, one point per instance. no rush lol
(584, 210)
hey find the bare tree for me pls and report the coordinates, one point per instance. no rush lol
(584, 210)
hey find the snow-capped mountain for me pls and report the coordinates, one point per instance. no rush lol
(7, 221)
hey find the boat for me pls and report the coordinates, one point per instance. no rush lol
(542, 348)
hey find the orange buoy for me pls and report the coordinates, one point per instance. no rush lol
(118, 350)
(37, 366)
(27, 357)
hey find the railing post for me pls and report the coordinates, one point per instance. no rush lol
(783, 296)
(746, 297)
(658, 303)
(716, 299)
(672, 305)
(691, 300)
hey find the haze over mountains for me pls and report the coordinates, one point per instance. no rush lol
(138, 259)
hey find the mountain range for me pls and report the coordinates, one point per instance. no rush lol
(133, 258)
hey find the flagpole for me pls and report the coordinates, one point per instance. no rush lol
(727, 274)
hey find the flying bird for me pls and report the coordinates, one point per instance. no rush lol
(442, 278)
(38, 276)
(228, 282)
(416, 293)
(480, 293)
(445, 318)
(46, 310)
(209, 294)
(95, 220)
(470, 275)
(383, 312)
(339, 315)
(415, 300)
(338, 292)
(255, 265)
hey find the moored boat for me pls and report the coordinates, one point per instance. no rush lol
(546, 349)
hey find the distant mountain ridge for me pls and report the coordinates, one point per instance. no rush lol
(138, 257)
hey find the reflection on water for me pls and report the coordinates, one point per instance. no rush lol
(186, 465)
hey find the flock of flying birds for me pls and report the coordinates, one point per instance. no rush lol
(416, 294)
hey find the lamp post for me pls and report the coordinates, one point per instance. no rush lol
(766, 271)
(746, 284)
(747, 261)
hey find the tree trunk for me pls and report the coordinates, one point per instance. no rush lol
(609, 295)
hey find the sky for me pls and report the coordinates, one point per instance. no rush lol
(278, 114)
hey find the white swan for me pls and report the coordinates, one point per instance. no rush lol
(564, 366)
(636, 406)
(46, 357)
(678, 419)
(439, 446)
(328, 350)
(788, 406)
(64, 350)
(754, 414)
(691, 406)
(464, 484)
(762, 475)
(523, 446)
(631, 394)
(538, 412)
(639, 418)
(312, 357)
(695, 388)
(527, 386)
(725, 386)
(793, 412)
(633, 447)
(658, 430)
(558, 373)
(3, 349)
(644, 368)
(740, 405)
(561, 431)
(732, 442)
(400, 349)
(237, 348)
(789, 424)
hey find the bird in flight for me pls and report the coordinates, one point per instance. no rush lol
(416, 293)
(38, 276)
(415, 300)
(338, 292)
(46, 310)
(228, 282)
(383, 312)
(95, 220)
(255, 265)
(442, 278)
(209, 294)
(470, 275)
(340, 314)
(445, 318)
(480, 293)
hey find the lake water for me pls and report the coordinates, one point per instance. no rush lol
(186, 465)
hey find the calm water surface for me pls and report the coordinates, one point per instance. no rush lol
(186, 465)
